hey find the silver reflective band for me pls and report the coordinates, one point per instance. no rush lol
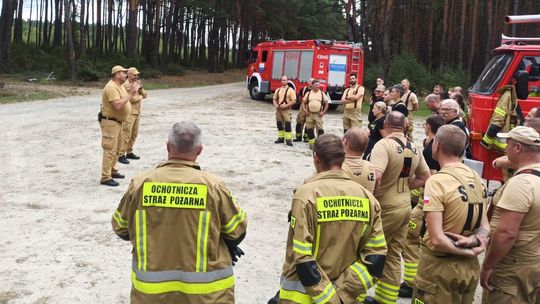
(182, 276)
(292, 285)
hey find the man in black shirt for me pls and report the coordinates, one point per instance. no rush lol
(377, 96)
(451, 111)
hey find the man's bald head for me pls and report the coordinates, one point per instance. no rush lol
(355, 140)
(395, 120)
(533, 123)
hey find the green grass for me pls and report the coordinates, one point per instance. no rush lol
(156, 86)
(6, 97)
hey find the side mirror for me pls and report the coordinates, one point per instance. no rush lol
(522, 85)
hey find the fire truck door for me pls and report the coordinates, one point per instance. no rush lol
(337, 69)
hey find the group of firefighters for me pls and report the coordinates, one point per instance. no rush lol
(351, 223)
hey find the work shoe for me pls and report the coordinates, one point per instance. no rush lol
(280, 140)
(117, 175)
(297, 139)
(111, 182)
(370, 300)
(306, 139)
(122, 159)
(132, 156)
(289, 142)
(405, 291)
(274, 299)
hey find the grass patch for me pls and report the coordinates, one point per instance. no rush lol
(10, 97)
(155, 86)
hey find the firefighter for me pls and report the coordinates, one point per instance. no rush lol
(185, 227)
(504, 119)
(315, 104)
(411, 101)
(284, 99)
(411, 250)
(455, 204)
(361, 171)
(395, 160)
(301, 117)
(352, 104)
(335, 247)
(433, 103)
(397, 104)
(511, 269)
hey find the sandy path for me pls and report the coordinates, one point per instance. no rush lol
(56, 242)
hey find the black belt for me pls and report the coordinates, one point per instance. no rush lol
(110, 118)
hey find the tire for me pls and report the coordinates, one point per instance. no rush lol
(332, 107)
(254, 91)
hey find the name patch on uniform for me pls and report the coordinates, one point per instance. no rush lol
(172, 195)
(342, 208)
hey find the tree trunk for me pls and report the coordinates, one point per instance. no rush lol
(17, 31)
(30, 23)
(473, 31)
(387, 30)
(69, 38)
(489, 27)
(98, 38)
(82, 28)
(132, 29)
(57, 39)
(6, 24)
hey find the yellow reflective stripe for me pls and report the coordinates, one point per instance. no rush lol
(500, 111)
(410, 265)
(377, 241)
(234, 222)
(295, 296)
(415, 192)
(363, 274)
(202, 241)
(488, 139)
(302, 248)
(386, 293)
(140, 231)
(288, 135)
(119, 220)
(361, 298)
(409, 272)
(311, 141)
(499, 144)
(412, 225)
(318, 240)
(326, 295)
(281, 134)
(187, 288)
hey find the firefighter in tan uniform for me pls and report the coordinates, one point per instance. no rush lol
(315, 104)
(411, 101)
(301, 116)
(455, 204)
(335, 247)
(511, 270)
(358, 169)
(504, 119)
(185, 227)
(396, 160)
(115, 109)
(411, 250)
(352, 104)
(284, 99)
(131, 126)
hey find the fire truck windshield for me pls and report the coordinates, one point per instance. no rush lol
(492, 74)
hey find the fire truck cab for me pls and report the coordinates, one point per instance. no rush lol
(328, 61)
(517, 62)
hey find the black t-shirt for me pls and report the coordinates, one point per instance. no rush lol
(458, 123)
(428, 156)
(374, 135)
(401, 108)
(371, 116)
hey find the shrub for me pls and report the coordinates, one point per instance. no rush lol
(151, 73)
(175, 69)
(87, 71)
(453, 76)
(405, 65)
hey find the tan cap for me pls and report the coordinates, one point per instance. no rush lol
(118, 68)
(133, 71)
(380, 88)
(524, 135)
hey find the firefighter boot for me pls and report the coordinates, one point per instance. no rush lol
(288, 133)
(281, 133)
(311, 137)
(405, 291)
(298, 133)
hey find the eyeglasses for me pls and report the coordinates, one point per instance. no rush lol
(446, 110)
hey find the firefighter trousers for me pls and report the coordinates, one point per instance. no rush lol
(351, 118)
(515, 280)
(445, 279)
(411, 249)
(395, 232)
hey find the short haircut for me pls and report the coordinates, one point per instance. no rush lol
(353, 74)
(435, 121)
(329, 149)
(315, 81)
(452, 140)
(432, 97)
(444, 95)
(381, 105)
(459, 98)
(395, 120)
(450, 103)
(399, 89)
(533, 123)
(357, 139)
(185, 137)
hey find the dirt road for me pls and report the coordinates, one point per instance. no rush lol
(56, 242)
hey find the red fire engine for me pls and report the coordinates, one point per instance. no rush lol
(516, 56)
(329, 61)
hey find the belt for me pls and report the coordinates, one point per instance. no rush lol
(110, 118)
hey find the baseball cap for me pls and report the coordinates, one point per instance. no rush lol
(524, 135)
(380, 88)
(133, 71)
(118, 68)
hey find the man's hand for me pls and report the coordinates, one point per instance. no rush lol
(486, 277)
(463, 241)
(236, 253)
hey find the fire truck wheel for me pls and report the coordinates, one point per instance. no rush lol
(332, 107)
(254, 91)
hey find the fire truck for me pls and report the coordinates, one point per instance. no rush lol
(331, 62)
(516, 61)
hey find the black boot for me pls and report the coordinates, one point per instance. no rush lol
(289, 142)
(274, 299)
(280, 140)
(405, 291)
(370, 300)
(122, 159)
